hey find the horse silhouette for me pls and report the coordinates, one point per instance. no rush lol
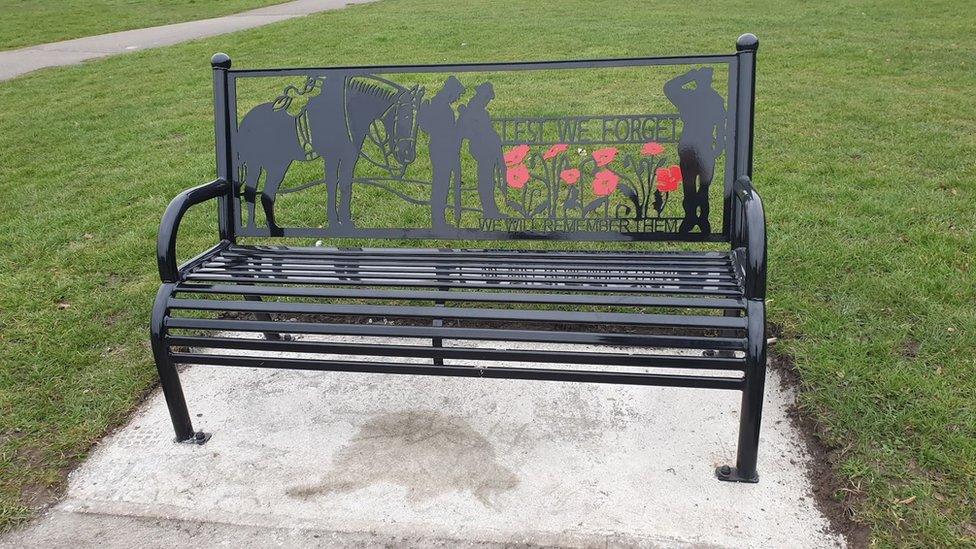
(332, 126)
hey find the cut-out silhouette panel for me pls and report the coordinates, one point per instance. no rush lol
(476, 173)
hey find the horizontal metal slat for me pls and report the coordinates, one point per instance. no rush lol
(483, 253)
(676, 280)
(461, 353)
(723, 272)
(580, 376)
(253, 278)
(468, 296)
(458, 262)
(452, 332)
(571, 317)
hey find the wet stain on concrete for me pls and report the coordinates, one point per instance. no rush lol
(426, 452)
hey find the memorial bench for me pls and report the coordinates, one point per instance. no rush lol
(635, 315)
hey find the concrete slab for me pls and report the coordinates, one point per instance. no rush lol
(310, 458)
(14, 63)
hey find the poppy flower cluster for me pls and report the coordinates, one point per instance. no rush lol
(605, 182)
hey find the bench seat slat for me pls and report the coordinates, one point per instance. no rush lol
(468, 296)
(488, 277)
(663, 288)
(448, 254)
(686, 341)
(683, 321)
(492, 372)
(474, 262)
(461, 353)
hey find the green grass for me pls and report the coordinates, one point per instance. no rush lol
(865, 147)
(29, 22)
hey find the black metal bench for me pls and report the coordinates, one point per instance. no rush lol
(390, 161)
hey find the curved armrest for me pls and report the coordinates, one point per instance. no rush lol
(750, 234)
(166, 240)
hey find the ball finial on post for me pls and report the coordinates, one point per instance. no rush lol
(747, 42)
(220, 61)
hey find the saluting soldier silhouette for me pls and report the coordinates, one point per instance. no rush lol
(702, 113)
(436, 118)
(485, 145)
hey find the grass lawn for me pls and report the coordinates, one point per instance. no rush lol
(866, 140)
(30, 22)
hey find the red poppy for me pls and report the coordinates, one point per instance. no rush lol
(517, 176)
(652, 148)
(668, 178)
(605, 183)
(604, 156)
(570, 176)
(516, 155)
(554, 150)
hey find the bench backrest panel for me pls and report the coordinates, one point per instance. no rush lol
(622, 149)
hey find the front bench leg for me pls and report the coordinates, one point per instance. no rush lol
(169, 274)
(750, 416)
(169, 378)
(749, 254)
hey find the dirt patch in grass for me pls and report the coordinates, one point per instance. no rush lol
(834, 497)
(40, 495)
(909, 349)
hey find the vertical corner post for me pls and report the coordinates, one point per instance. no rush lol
(746, 47)
(220, 63)
(745, 99)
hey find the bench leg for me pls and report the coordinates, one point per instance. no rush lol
(169, 378)
(439, 322)
(724, 333)
(752, 399)
(266, 317)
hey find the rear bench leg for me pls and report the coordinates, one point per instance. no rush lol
(724, 353)
(169, 378)
(752, 398)
(266, 317)
(439, 322)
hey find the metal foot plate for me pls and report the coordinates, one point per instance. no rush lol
(198, 438)
(731, 474)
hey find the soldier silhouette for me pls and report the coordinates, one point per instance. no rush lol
(436, 118)
(485, 145)
(702, 113)
(325, 113)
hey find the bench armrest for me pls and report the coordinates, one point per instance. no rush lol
(749, 238)
(168, 227)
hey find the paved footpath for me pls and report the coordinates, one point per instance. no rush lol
(303, 459)
(14, 63)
